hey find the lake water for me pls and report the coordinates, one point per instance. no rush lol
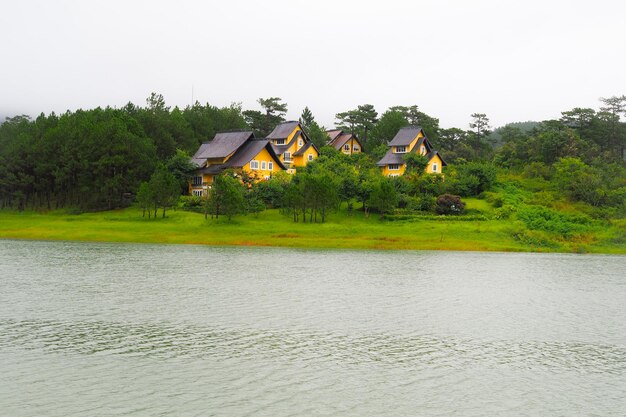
(93, 329)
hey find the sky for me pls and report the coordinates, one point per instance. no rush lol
(513, 60)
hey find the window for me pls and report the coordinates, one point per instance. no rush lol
(394, 175)
(423, 150)
(287, 156)
(400, 149)
(197, 193)
(254, 164)
(434, 167)
(270, 166)
(280, 141)
(346, 147)
(300, 143)
(310, 157)
(263, 165)
(197, 180)
(393, 167)
(356, 149)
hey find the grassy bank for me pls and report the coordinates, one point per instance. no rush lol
(270, 228)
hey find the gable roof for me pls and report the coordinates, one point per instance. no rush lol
(405, 136)
(391, 158)
(333, 134)
(432, 154)
(283, 130)
(341, 140)
(222, 145)
(305, 147)
(249, 151)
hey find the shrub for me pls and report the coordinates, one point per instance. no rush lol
(449, 204)
(475, 177)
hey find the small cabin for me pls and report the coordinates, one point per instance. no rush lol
(410, 139)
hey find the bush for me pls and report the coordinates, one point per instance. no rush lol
(449, 204)
(473, 178)
(545, 219)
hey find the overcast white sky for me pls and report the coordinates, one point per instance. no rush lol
(514, 60)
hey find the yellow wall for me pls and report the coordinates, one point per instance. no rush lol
(434, 160)
(387, 172)
(263, 156)
(351, 142)
(302, 160)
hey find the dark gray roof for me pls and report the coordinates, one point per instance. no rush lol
(391, 158)
(196, 159)
(283, 130)
(304, 148)
(432, 154)
(405, 136)
(222, 145)
(249, 151)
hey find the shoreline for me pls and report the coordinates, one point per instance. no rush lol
(271, 229)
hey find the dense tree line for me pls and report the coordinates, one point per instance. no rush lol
(103, 158)
(97, 159)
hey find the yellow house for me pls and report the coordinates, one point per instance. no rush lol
(292, 145)
(233, 150)
(346, 143)
(410, 139)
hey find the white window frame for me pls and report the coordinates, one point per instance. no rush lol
(263, 165)
(310, 157)
(270, 166)
(287, 156)
(254, 164)
(397, 167)
(197, 193)
(423, 150)
(280, 141)
(400, 149)
(195, 181)
(300, 143)
(434, 167)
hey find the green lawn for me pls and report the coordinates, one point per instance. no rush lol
(271, 228)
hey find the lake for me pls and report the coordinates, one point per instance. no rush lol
(97, 329)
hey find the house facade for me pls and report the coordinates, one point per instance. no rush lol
(233, 150)
(410, 139)
(292, 145)
(346, 143)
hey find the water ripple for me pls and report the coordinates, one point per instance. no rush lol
(160, 340)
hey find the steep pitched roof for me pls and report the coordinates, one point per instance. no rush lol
(196, 159)
(333, 134)
(432, 154)
(341, 140)
(405, 136)
(251, 149)
(222, 145)
(391, 158)
(283, 130)
(305, 147)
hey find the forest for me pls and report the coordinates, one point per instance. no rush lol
(569, 171)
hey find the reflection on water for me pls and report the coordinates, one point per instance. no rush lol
(115, 329)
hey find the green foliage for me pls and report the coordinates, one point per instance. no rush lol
(415, 164)
(384, 197)
(181, 167)
(545, 219)
(264, 123)
(226, 196)
(474, 178)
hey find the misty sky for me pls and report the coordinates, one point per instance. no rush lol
(513, 60)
